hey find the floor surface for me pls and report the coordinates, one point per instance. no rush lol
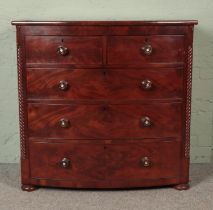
(198, 197)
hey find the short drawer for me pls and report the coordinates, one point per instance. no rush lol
(146, 49)
(102, 121)
(114, 84)
(63, 50)
(105, 163)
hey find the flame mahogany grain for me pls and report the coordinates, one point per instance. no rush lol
(91, 132)
(104, 161)
(127, 49)
(100, 84)
(104, 121)
(82, 50)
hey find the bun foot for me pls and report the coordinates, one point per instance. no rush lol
(182, 186)
(28, 188)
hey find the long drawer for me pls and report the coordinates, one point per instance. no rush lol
(99, 162)
(123, 84)
(104, 121)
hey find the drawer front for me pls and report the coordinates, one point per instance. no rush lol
(153, 160)
(63, 50)
(104, 163)
(104, 84)
(145, 49)
(66, 161)
(104, 121)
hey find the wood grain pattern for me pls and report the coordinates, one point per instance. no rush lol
(127, 49)
(82, 50)
(124, 160)
(104, 130)
(99, 84)
(97, 30)
(86, 162)
(105, 121)
(104, 162)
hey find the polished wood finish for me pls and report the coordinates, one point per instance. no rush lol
(108, 23)
(131, 49)
(104, 161)
(28, 188)
(104, 121)
(182, 186)
(102, 84)
(104, 104)
(77, 50)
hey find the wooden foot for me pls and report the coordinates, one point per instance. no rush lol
(28, 188)
(182, 186)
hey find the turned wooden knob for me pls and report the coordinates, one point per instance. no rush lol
(63, 85)
(65, 163)
(146, 84)
(146, 161)
(147, 49)
(146, 121)
(62, 51)
(64, 123)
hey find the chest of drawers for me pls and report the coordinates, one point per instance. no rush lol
(104, 104)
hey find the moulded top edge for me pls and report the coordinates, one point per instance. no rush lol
(106, 23)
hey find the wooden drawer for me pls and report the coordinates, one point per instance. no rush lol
(105, 121)
(105, 162)
(67, 161)
(111, 84)
(80, 50)
(131, 49)
(140, 160)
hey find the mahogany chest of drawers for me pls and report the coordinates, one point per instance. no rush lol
(104, 104)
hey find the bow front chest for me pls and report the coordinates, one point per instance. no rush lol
(104, 104)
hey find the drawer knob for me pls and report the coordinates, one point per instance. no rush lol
(64, 123)
(65, 163)
(146, 84)
(146, 161)
(147, 49)
(146, 121)
(63, 85)
(62, 51)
